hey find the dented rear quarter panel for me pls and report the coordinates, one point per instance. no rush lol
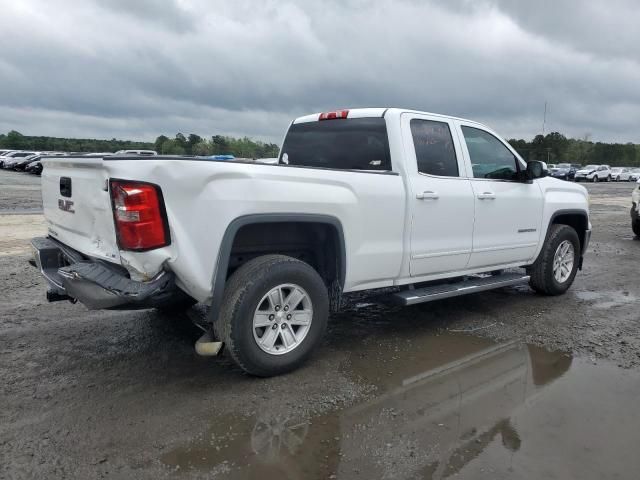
(203, 197)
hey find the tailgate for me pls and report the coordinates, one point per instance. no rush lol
(77, 205)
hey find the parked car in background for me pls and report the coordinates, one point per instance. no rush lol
(35, 167)
(220, 157)
(3, 155)
(9, 159)
(34, 158)
(270, 161)
(93, 154)
(594, 173)
(21, 162)
(634, 174)
(145, 153)
(564, 171)
(620, 174)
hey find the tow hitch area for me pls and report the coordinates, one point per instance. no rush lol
(97, 284)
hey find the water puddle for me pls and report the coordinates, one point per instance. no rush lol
(606, 300)
(443, 406)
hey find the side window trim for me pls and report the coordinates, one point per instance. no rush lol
(520, 164)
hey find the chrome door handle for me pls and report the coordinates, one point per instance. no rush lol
(428, 195)
(487, 196)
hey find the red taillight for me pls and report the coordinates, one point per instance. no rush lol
(138, 210)
(334, 115)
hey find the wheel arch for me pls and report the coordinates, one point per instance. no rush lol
(234, 231)
(577, 219)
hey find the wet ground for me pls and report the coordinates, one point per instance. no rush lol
(504, 384)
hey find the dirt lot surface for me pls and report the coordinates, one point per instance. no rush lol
(504, 384)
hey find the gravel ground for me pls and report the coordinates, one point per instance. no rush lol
(123, 395)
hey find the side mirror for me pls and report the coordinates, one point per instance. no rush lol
(536, 169)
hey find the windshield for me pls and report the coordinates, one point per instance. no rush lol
(616, 169)
(591, 167)
(564, 165)
(345, 144)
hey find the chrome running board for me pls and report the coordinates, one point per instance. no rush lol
(464, 287)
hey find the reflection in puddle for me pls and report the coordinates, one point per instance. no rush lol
(444, 405)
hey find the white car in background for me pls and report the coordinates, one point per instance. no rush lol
(634, 174)
(594, 173)
(269, 161)
(7, 160)
(620, 174)
(144, 153)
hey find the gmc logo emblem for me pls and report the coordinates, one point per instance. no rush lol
(66, 205)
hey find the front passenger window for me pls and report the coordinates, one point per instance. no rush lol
(489, 157)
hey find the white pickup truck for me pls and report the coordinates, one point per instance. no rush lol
(432, 205)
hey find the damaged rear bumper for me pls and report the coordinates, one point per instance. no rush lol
(97, 284)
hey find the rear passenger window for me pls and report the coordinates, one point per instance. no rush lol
(489, 157)
(343, 144)
(435, 152)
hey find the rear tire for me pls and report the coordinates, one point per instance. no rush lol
(555, 268)
(247, 303)
(635, 226)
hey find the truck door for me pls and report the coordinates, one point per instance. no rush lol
(508, 211)
(440, 196)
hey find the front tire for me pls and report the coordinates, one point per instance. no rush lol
(555, 268)
(635, 226)
(273, 315)
(595, 179)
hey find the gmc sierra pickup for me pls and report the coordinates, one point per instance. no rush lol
(432, 205)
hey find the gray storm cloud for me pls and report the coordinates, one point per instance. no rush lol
(106, 68)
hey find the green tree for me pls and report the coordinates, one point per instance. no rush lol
(159, 143)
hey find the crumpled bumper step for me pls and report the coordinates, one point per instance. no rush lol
(96, 284)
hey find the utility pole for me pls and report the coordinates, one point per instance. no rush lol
(544, 119)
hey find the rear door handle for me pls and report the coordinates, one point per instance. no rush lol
(487, 196)
(428, 195)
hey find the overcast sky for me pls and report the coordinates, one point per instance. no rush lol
(135, 69)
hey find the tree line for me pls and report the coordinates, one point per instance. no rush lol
(556, 148)
(216, 145)
(179, 145)
(15, 140)
(552, 148)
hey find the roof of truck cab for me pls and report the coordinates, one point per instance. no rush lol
(379, 112)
